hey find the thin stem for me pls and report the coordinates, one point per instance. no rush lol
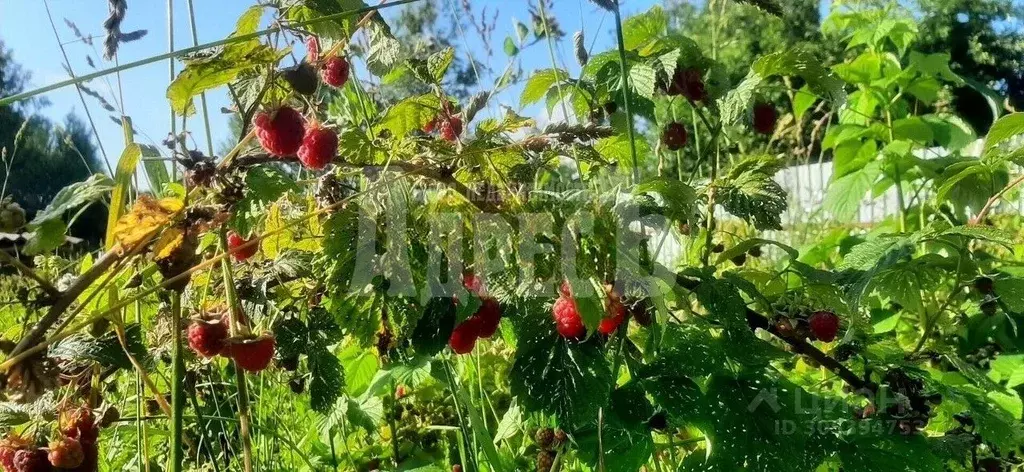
(202, 96)
(237, 328)
(28, 272)
(177, 386)
(182, 52)
(995, 198)
(625, 92)
(81, 97)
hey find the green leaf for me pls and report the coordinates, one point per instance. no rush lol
(874, 448)
(744, 419)
(803, 100)
(46, 237)
(983, 233)
(509, 426)
(625, 437)
(793, 62)
(385, 50)
(1004, 129)
(263, 186)
(539, 83)
(12, 414)
(550, 374)
(219, 67)
(439, 62)
(435, 326)
(641, 29)
(156, 171)
(747, 244)
(750, 192)
(844, 195)
(643, 78)
(679, 198)
(327, 379)
(411, 114)
(73, 196)
(105, 350)
(510, 47)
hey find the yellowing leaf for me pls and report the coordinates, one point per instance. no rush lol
(168, 243)
(146, 216)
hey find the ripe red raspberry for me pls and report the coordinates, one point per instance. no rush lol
(824, 325)
(451, 128)
(457, 468)
(319, 147)
(489, 317)
(674, 136)
(464, 336)
(614, 316)
(66, 453)
(430, 126)
(252, 354)
(9, 446)
(80, 424)
(235, 241)
(31, 460)
(206, 337)
(335, 72)
(312, 49)
(282, 133)
(400, 392)
(567, 318)
(765, 118)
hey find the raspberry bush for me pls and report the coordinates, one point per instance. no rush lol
(447, 283)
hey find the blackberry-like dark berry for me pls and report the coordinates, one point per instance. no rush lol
(544, 438)
(754, 251)
(289, 363)
(658, 421)
(545, 459)
(302, 78)
(297, 385)
(739, 259)
(989, 307)
(674, 136)
(611, 107)
(718, 248)
(984, 285)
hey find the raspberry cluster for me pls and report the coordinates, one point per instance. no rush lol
(482, 324)
(448, 124)
(567, 318)
(208, 336)
(284, 133)
(822, 325)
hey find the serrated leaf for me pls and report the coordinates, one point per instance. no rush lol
(327, 379)
(680, 199)
(411, 114)
(146, 217)
(638, 30)
(73, 196)
(793, 62)
(568, 379)
(744, 419)
(539, 83)
(750, 192)
(845, 194)
(625, 437)
(643, 78)
(221, 66)
(385, 50)
(1003, 129)
(105, 350)
(46, 237)
(508, 427)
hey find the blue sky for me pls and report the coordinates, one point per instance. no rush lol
(25, 29)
